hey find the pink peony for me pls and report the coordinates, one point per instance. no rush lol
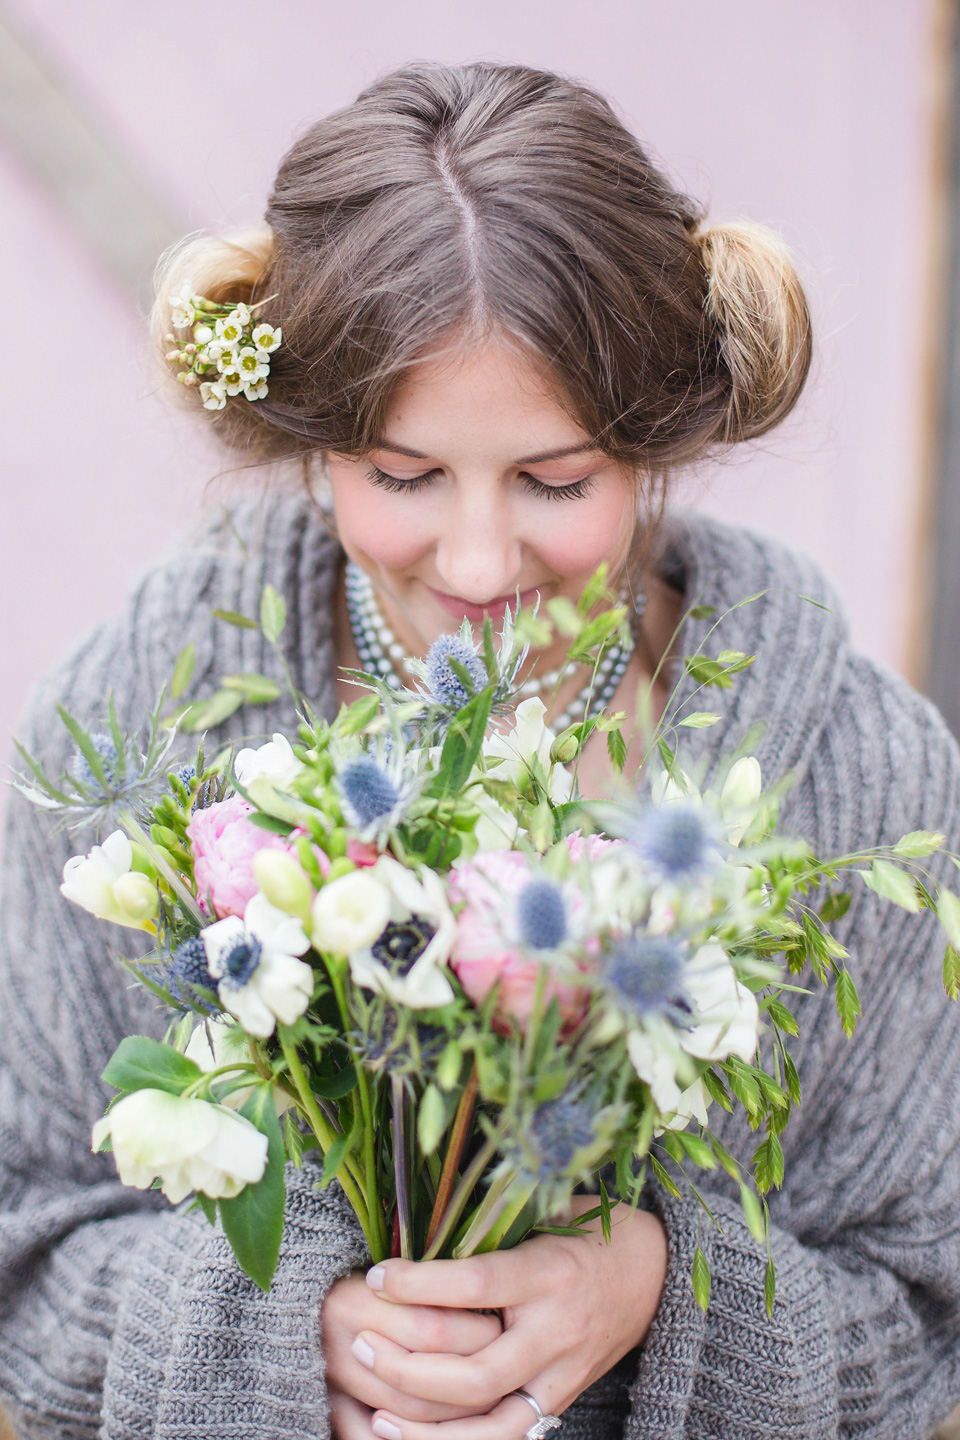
(224, 843)
(484, 953)
(589, 847)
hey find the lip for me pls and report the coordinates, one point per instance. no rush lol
(464, 610)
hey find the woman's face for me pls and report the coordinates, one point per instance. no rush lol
(481, 485)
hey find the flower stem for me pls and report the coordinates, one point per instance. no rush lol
(461, 1195)
(485, 1215)
(325, 1134)
(451, 1163)
(377, 1220)
(401, 1166)
(515, 1201)
(136, 832)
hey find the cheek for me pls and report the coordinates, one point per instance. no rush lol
(574, 538)
(391, 530)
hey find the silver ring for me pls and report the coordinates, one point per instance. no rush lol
(543, 1423)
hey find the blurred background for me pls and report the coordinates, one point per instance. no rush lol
(124, 126)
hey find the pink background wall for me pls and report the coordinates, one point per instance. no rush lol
(809, 115)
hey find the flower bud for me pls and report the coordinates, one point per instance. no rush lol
(173, 355)
(342, 865)
(191, 380)
(190, 349)
(136, 896)
(566, 746)
(283, 882)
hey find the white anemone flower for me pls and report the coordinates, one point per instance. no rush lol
(405, 961)
(219, 1041)
(266, 338)
(105, 884)
(187, 1144)
(255, 961)
(274, 761)
(726, 1013)
(213, 394)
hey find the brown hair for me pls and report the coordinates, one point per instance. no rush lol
(449, 203)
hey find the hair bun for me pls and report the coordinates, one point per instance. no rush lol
(761, 321)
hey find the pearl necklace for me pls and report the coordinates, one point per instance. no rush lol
(380, 652)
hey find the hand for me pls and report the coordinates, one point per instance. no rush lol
(355, 1392)
(572, 1307)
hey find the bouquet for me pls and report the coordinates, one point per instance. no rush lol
(402, 947)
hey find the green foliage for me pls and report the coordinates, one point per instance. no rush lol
(616, 749)
(848, 1002)
(890, 882)
(273, 614)
(183, 671)
(951, 973)
(233, 617)
(701, 1279)
(139, 1063)
(253, 1220)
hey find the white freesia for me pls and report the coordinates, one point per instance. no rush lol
(102, 883)
(218, 1042)
(274, 761)
(509, 756)
(424, 986)
(254, 959)
(350, 913)
(187, 1144)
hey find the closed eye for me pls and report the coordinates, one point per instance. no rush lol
(574, 491)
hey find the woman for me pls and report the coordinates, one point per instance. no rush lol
(501, 330)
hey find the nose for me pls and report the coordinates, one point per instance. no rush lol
(479, 554)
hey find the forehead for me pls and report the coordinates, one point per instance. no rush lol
(495, 395)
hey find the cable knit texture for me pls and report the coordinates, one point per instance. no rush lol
(121, 1318)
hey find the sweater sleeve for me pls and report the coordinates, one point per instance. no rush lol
(865, 1336)
(118, 1316)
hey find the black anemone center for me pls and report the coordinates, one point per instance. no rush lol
(402, 943)
(242, 961)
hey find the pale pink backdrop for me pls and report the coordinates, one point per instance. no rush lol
(809, 115)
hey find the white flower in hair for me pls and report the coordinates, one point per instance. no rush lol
(183, 308)
(243, 313)
(213, 394)
(230, 330)
(202, 333)
(256, 392)
(227, 359)
(234, 382)
(253, 364)
(266, 338)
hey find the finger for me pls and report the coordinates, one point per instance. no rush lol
(476, 1381)
(430, 1328)
(349, 1420)
(510, 1419)
(481, 1282)
(364, 1386)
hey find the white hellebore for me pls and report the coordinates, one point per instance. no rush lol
(255, 961)
(397, 963)
(104, 883)
(529, 738)
(727, 1021)
(187, 1144)
(220, 1042)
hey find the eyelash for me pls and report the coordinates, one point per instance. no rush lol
(396, 486)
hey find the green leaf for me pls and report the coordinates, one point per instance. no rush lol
(667, 757)
(273, 613)
(664, 1178)
(139, 1063)
(701, 1279)
(209, 1208)
(357, 716)
(744, 1085)
(233, 617)
(768, 1164)
(951, 973)
(948, 913)
(183, 670)
(462, 745)
(835, 907)
(564, 615)
(431, 1119)
(269, 822)
(336, 1086)
(700, 719)
(208, 714)
(770, 1274)
(333, 1159)
(697, 1149)
(253, 1220)
(604, 1212)
(717, 1089)
(752, 1212)
(702, 612)
(848, 1001)
(891, 883)
(781, 1016)
(918, 844)
(257, 689)
(616, 749)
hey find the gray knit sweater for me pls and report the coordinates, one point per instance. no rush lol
(122, 1318)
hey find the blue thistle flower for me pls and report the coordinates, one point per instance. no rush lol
(446, 687)
(186, 968)
(186, 775)
(367, 793)
(558, 1131)
(392, 1049)
(677, 841)
(114, 766)
(541, 915)
(645, 972)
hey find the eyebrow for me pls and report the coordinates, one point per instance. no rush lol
(527, 459)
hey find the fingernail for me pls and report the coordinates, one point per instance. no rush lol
(375, 1279)
(363, 1352)
(387, 1431)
